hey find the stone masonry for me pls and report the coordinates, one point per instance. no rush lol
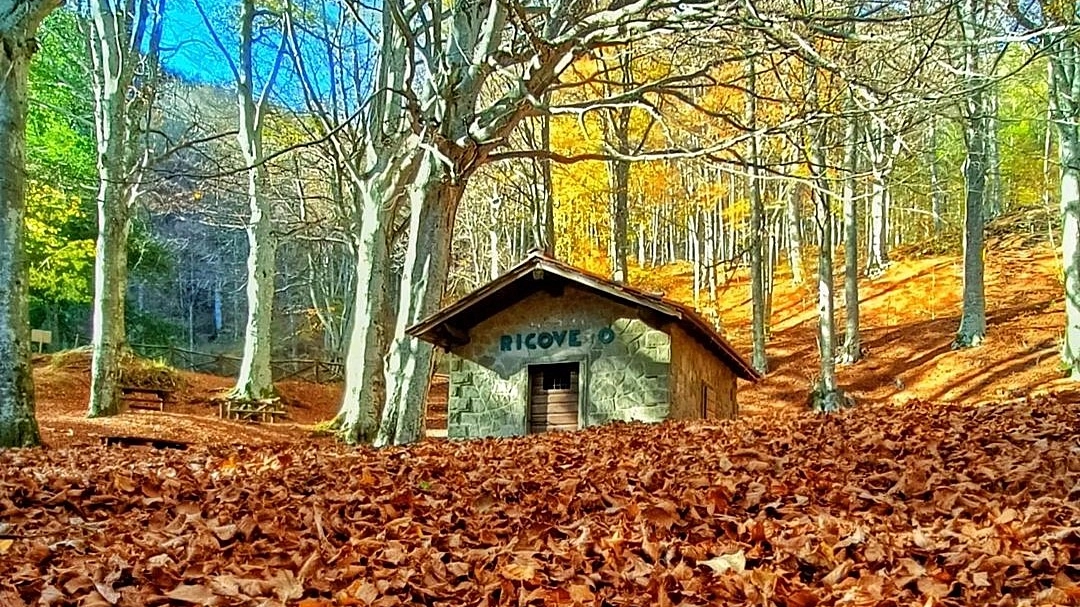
(624, 362)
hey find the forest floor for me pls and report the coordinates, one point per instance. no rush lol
(909, 317)
(922, 505)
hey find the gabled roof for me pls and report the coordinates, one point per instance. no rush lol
(449, 327)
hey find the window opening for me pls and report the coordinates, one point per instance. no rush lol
(557, 377)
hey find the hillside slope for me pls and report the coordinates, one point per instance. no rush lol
(909, 317)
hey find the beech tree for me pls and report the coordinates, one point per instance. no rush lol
(255, 380)
(616, 127)
(757, 226)
(1065, 108)
(972, 329)
(380, 158)
(826, 395)
(18, 26)
(881, 148)
(851, 350)
(794, 220)
(120, 31)
(1056, 26)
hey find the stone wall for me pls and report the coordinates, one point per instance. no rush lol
(629, 379)
(483, 404)
(624, 363)
(694, 366)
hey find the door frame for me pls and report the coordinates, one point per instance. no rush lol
(582, 387)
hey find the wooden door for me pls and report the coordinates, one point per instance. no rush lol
(710, 405)
(553, 397)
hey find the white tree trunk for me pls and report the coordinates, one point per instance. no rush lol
(493, 238)
(18, 427)
(793, 208)
(937, 188)
(112, 80)
(826, 396)
(382, 178)
(710, 251)
(850, 351)
(1070, 247)
(757, 229)
(994, 204)
(433, 201)
(365, 387)
(877, 258)
(620, 202)
(1065, 111)
(255, 379)
(545, 220)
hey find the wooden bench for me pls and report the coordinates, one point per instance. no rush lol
(145, 398)
(267, 410)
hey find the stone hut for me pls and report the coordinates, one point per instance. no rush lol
(547, 346)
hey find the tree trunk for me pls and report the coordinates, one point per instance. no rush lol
(877, 258)
(549, 187)
(620, 184)
(757, 227)
(850, 351)
(493, 237)
(640, 242)
(937, 189)
(18, 427)
(433, 206)
(770, 266)
(110, 289)
(112, 75)
(1065, 110)
(710, 251)
(718, 212)
(826, 396)
(794, 232)
(693, 223)
(365, 384)
(994, 203)
(973, 320)
(654, 258)
(383, 177)
(255, 380)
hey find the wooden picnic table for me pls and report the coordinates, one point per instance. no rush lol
(264, 410)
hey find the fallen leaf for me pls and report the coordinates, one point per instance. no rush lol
(802, 598)
(931, 587)
(735, 561)
(196, 594)
(519, 571)
(581, 594)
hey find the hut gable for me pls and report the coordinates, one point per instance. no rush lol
(450, 328)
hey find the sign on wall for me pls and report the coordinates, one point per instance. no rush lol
(546, 340)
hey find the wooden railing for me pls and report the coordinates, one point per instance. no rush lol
(226, 365)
